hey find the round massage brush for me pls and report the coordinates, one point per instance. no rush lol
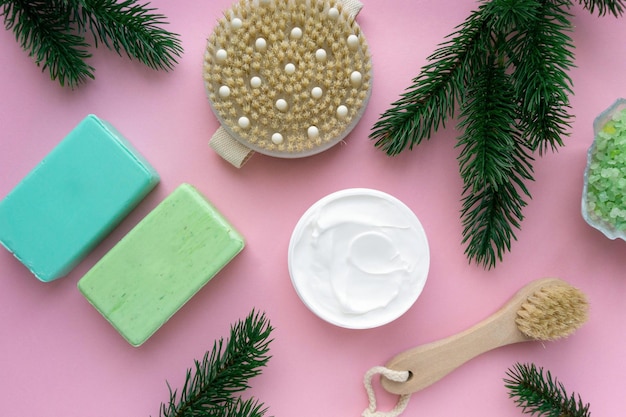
(544, 310)
(288, 78)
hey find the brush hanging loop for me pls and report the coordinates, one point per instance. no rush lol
(397, 376)
(353, 7)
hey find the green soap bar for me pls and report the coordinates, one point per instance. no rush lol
(73, 198)
(160, 264)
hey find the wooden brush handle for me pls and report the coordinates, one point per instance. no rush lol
(430, 362)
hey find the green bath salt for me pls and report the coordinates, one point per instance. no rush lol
(606, 173)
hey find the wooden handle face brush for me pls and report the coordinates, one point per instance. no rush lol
(546, 309)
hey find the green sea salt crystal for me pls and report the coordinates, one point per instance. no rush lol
(606, 175)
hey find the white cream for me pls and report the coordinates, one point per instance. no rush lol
(359, 258)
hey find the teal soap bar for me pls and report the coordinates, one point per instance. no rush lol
(160, 264)
(73, 198)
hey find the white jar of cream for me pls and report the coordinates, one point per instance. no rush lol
(359, 258)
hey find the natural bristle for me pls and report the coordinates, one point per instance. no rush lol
(553, 312)
(290, 67)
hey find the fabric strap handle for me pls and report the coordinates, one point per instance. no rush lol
(353, 7)
(230, 148)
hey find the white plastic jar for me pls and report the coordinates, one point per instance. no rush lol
(359, 258)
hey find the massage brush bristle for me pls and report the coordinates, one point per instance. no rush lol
(552, 312)
(544, 310)
(288, 78)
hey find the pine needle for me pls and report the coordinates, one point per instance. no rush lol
(540, 50)
(614, 7)
(506, 68)
(210, 388)
(131, 28)
(431, 99)
(541, 394)
(42, 29)
(493, 163)
(53, 33)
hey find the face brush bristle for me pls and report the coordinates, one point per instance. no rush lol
(546, 309)
(287, 78)
(552, 312)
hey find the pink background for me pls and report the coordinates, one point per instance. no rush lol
(59, 357)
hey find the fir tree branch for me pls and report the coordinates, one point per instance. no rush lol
(541, 394)
(431, 99)
(41, 28)
(614, 7)
(493, 164)
(524, 47)
(541, 53)
(224, 371)
(240, 408)
(131, 28)
(52, 31)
